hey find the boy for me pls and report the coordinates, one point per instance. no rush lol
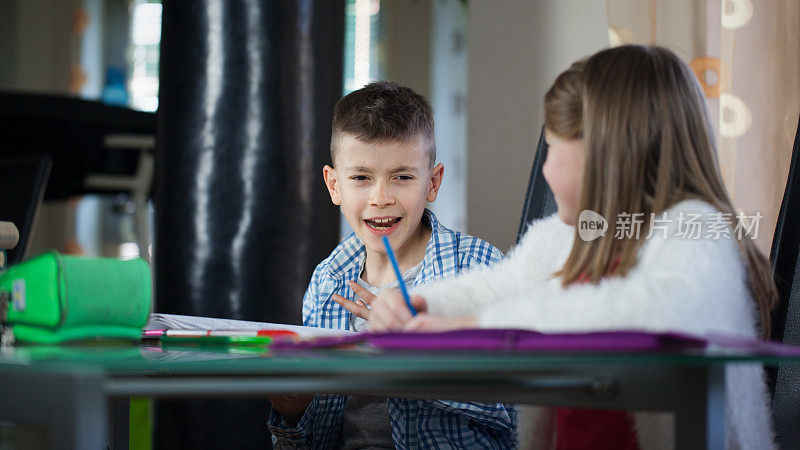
(383, 174)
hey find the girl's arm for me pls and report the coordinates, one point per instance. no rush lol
(532, 262)
(679, 284)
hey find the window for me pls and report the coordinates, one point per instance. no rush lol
(144, 54)
(361, 48)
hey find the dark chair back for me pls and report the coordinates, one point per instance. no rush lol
(786, 317)
(539, 201)
(23, 180)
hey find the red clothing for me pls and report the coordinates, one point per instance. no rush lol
(591, 428)
(594, 429)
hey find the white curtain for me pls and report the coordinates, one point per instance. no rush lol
(746, 55)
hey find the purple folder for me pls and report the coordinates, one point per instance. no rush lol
(509, 340)
(521, 340)
(526, 340)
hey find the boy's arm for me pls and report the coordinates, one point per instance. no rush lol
(532, 262)
(311, 299)
(320, 427)
(494, 422)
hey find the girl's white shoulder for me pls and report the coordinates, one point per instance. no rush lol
(546, 233)
(687, 217)
(693, 229)
(691, 206)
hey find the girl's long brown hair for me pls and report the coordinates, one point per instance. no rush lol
(648, 145)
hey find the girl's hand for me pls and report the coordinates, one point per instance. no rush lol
(429, 322)
(359, 307)
(390, 312)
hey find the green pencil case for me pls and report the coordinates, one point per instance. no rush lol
(53, 298)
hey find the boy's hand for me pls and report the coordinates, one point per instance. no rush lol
(359, 307)
(390, 312)
(291, 407)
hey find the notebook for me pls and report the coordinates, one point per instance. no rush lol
(159, 321)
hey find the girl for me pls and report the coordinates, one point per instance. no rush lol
(629, 139)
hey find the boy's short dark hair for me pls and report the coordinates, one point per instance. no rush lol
(383, 111)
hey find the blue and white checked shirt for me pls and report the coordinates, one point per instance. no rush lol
(415, 423)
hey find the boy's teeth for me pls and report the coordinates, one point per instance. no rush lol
(382, 223)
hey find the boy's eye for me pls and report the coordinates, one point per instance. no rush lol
(359, 178)
(404, 177)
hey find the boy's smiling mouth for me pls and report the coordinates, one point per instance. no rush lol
(382, 225)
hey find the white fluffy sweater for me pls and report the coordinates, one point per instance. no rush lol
(681, 284)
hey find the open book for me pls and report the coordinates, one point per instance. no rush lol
(160, 321)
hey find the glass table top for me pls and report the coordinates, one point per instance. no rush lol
(122, 358)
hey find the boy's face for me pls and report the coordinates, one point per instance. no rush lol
(563, 170)
(382, 189)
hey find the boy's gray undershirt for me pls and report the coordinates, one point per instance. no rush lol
(365, 424)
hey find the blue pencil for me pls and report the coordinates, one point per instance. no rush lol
(399, 275)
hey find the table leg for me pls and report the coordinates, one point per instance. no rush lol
(700, 419)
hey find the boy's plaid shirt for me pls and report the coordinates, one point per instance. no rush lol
(415, 423)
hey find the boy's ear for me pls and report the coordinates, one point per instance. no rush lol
(329, 175)
(436, 182)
